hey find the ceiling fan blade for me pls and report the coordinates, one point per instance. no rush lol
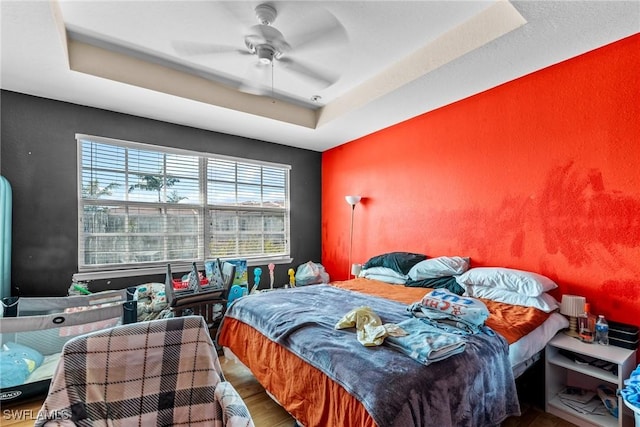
(189, 48)
(322, 79)
(257, 80)
(241, 11)
(321, 30)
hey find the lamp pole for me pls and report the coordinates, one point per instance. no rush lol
(353, 201)
(353, 208)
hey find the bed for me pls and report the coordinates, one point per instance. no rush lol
(287, 339)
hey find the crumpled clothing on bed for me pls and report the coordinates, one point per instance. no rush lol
(464, 313)
(426, 343)
(369, 328)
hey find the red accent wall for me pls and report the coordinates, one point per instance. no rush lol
(541, 173)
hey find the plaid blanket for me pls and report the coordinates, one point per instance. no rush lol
(162, 372)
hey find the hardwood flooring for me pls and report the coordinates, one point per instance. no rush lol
(264, 411)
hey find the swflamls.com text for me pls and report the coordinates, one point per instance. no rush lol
(31, 414)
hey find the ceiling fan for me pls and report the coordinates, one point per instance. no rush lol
(268, 47)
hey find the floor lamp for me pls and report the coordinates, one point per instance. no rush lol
(353, 201)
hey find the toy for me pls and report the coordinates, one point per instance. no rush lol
(235, 292)
(257, 272)
(17, 362)
(292, 277)
(272, 267)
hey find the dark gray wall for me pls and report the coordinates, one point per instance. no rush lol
(39, 158)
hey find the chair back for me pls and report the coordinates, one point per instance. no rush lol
(168, 287)
(222, 276)
(194, 279)
(168, 378)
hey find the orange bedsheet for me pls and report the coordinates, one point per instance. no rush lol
(313, 398)
(511, 321)
(305, 392)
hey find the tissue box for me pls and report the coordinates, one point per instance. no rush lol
(623, 335)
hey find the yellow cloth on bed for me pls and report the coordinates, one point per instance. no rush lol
(369, 328)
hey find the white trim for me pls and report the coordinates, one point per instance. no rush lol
(173, 150)
(88, 276)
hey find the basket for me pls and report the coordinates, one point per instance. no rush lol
(184, 284)
(636, 411)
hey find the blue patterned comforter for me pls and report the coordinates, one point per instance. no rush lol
(474, 388)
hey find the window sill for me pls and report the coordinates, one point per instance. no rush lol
(87, 276)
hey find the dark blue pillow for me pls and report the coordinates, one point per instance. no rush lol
(398, 261)
(447, 282)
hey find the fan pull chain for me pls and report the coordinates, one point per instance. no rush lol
(273, 100)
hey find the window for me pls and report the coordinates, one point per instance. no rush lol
(144, 206)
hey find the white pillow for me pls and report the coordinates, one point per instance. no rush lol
(387, 279)
(383, 271)
(544, 302)
(439, 267)
(522, 282)
(384, 274)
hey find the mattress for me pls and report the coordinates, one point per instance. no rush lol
(526, 351)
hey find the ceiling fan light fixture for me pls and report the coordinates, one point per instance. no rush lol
(265, 53)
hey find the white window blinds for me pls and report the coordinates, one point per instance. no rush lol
(143, 205)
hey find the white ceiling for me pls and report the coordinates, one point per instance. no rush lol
(394, 59)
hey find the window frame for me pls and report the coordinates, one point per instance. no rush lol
(204, 209)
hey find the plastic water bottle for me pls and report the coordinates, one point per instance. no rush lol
(602, 331)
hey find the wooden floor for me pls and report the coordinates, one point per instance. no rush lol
(265, 412)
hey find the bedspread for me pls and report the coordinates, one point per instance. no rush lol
(474, 388)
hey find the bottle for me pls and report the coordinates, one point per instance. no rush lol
(602, 331)
(587, 325)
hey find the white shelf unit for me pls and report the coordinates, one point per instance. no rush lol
(561, 371)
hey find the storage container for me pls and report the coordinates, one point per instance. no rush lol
(623, 335)
(636, 411)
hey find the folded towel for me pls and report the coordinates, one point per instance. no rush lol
(426, 343)
(442, 305)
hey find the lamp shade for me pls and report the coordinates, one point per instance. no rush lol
(352, 200)
(572, 305)
(356, 269)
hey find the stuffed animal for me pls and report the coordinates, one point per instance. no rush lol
(17, 362)
(235, 292)
(151, 298)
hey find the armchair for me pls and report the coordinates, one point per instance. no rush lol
(160, 372)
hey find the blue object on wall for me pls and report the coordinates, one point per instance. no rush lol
(5, 237)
